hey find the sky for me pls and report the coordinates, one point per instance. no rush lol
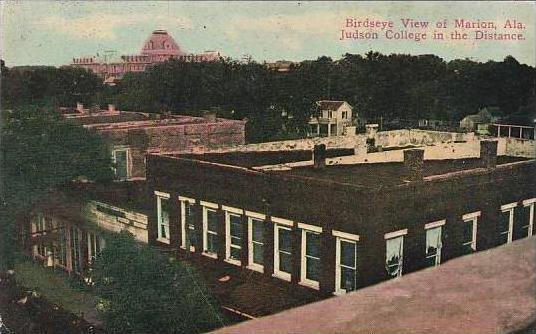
(52, 33)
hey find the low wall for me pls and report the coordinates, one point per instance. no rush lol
(517, 147)
(419, 137)
(115, 219)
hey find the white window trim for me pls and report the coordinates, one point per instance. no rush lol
(282, 221)
(346, 237)
(209, 204)
(232, 209)
(183, 201)
(530, 203)
(228, 245)
(251, 264)
(435, 224)
(395, 234)
(162, 194)
(510, 209)
(472, 217)
(308, 227)
(159, 217)
(277, 273)
(431, 226)
(303, 258)
(205, 229)
(129, 160)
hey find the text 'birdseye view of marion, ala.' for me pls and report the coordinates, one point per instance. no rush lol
(267, 167)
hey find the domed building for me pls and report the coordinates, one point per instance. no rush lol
(159, 47)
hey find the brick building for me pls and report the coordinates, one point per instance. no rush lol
(159, 47)
(334, 228)
(132, 135)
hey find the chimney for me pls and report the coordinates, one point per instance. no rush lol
(210, 116)
(79, 107)
(414, 164)
(111, 107)
(488, 153)
(319, 156)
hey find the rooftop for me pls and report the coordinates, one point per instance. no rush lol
(488, 292)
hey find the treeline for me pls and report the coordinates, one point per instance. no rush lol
(278, 104)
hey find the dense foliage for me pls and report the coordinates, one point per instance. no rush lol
(377, 85)
(39, 151)
(144, 291)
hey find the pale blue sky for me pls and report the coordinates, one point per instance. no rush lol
(52, 33)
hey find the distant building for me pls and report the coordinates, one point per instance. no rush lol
(332, 119)
(479, 122)
(131, 135)
(159, 47)
(281, 66)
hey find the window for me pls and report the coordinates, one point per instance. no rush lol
(469, 232)
(345, 262)
(256, 226)
(506, 223)
(344, 115)
(433, 243)
(330, 114)
(394, 252)
(188, 223)
(60, 252)
(282, 248)
(527, 218)
(76, 258)
(310, 255)
(162, 204)
(121, 159)
(95, 244)
(233, 235)
(211, 243)
(41, 225)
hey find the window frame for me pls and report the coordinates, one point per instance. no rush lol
(530, 204)
(183, 200)
(285, 224)
(510, 207)
(305, 230)
(159, 224)
(472, 218)
(250, 217)
(231, 211)
(394, 235)
(208, 206)
(349, 238)
(431, 226)
(128, 161)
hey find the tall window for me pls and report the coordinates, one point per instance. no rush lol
(469, 232)
(310, 255)
(95, 244)
(234, 233)
(506, 223)
(256, 225)
(346, 262)
(433, 243)
(211, 243)
(163, 209)
(75, 248)
(394, 252)
(60, 253)
(282, 248)
(188, 223)
(121, 161)
(527, 218)
(40, 228)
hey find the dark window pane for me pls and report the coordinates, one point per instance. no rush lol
(285, 262)
(348, 278)
(189, 212)
(312, 244)
(504, 221)
(212, 220)
(285, 237)
(431, 261)
(236, 227)
(121, 164)
(258, 254)
(312, 271)
(236, 241)
(467, 231)
(348, 255)
(212, 243)
(467, 249)
(258, 230)
(164, 211)
(236, 253)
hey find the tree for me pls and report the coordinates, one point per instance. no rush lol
(144, 291)
(40, 150)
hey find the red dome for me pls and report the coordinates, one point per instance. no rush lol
(161, 44)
